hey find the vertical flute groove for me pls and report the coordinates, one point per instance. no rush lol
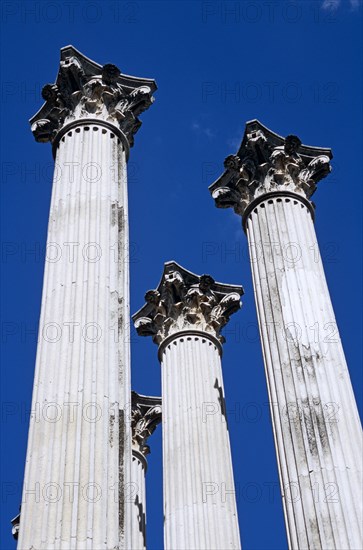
(79, 455)
(193, 517)
(313, 452)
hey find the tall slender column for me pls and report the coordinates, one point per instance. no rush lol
(79, 449)
(145, 416)
(315, 419)
(184, 316)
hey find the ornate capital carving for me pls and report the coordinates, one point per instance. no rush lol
(84, 89)
(184, 301)
(15, 526)
(266, 162)
(145, 416)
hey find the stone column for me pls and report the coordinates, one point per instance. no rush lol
(184, 316)
(145, 416)
(314, 415)
(79, 449)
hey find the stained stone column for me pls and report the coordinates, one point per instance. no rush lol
(79, 449)
(145, 416)
(314, 415)
(184, 316)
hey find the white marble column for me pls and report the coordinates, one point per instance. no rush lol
(315, 420)
(79, 448)
(184, 316)
(146, 415)
(138, 496)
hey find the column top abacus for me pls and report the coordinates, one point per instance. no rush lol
(267, 163)
(186, 303)
(85, 90)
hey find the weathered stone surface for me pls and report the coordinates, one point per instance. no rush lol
(316, 425)
(185, 316)
(90, 115)
(145, 417)
(265, 163)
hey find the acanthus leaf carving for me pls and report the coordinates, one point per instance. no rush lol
(146, 414)
(266, 163)
(84, 89)
(184, 301)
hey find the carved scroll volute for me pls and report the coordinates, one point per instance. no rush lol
(184, 301)
(267, 163)
(83, 89)
(146, 414)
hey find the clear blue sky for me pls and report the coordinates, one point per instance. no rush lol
(296, 66)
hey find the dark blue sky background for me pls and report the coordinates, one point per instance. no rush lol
(296, 66)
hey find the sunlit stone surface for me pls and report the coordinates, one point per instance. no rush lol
(145, 416)
(184, 316)
(315, 419)
(79, 450)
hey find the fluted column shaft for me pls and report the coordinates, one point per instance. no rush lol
(73, 497)
(199, 496)
(138, 500)
(145, 416)
(315, 420)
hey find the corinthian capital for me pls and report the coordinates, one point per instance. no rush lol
(265, 163)
(145, 416)
(83, 89)
(184, 301)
